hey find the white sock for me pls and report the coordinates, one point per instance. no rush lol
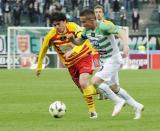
(129, 100)
(104, 88)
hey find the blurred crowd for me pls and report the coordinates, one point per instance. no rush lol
(12, 12)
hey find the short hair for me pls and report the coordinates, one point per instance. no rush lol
(88, 13)
(98, 7)
(57, 16)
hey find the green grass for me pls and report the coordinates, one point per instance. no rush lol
(24, 102)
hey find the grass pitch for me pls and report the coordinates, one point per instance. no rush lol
(24, 102)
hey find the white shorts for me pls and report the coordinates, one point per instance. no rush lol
(109, 69)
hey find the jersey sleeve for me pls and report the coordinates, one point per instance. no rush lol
(109, 28)
(84, 34)
(108, 22)
(75, 28)
(44, 49)
(78, 33)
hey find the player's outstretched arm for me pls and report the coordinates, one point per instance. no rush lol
(76, 41)
(124, 37)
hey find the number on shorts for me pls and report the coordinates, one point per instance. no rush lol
(101, 68)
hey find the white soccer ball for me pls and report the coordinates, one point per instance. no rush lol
(57, 109)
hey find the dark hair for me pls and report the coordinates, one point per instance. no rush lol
(87, 13)
(57, 16)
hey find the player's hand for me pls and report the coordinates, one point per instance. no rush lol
(125, 52)
(68, 54)
(38, 73)
(70, 37)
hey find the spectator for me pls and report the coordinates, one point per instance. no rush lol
(7, 13)
(159, 12)
(141, 48)
(58, 6)
(100, 2)
(62, 2)
(135, 3)
(116, 5)
(47, 18)
(123, 16)
(24, 7)
(112, 16)
(31, 12)
(38, 7)
(74, 4)
(86, 4)
(41, 12)
(76, 15)
(127, 4)
(52, 8)
(135, 20)
(107, 9)
(1, 16)
(152, 2)
(130, 4)
(17, 14)
(1, 13)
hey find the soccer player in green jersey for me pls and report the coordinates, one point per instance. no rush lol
(98, 10)
(102, 37)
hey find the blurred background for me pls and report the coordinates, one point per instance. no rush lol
(141, 17)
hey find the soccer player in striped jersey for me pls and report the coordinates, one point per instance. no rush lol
(102, 38)
(98, 10)
(77, 59)
(99, 13)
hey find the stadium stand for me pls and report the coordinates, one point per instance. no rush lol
(36, 12)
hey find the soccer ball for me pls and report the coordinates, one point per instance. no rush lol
(57, 109)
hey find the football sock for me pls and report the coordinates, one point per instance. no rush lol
(129, 100)
(104, 88)
(88, 92)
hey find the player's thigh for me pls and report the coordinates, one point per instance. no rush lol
(84, 66)
(96, 80)
(108, 71)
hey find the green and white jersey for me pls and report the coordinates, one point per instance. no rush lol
(102, 38)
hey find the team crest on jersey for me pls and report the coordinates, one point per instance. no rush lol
(93, 34)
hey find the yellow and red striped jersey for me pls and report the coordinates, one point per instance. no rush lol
(63, 45)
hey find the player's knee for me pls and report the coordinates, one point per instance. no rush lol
(83, 84)
(114, 88)
(96, 81)
(84, 80)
